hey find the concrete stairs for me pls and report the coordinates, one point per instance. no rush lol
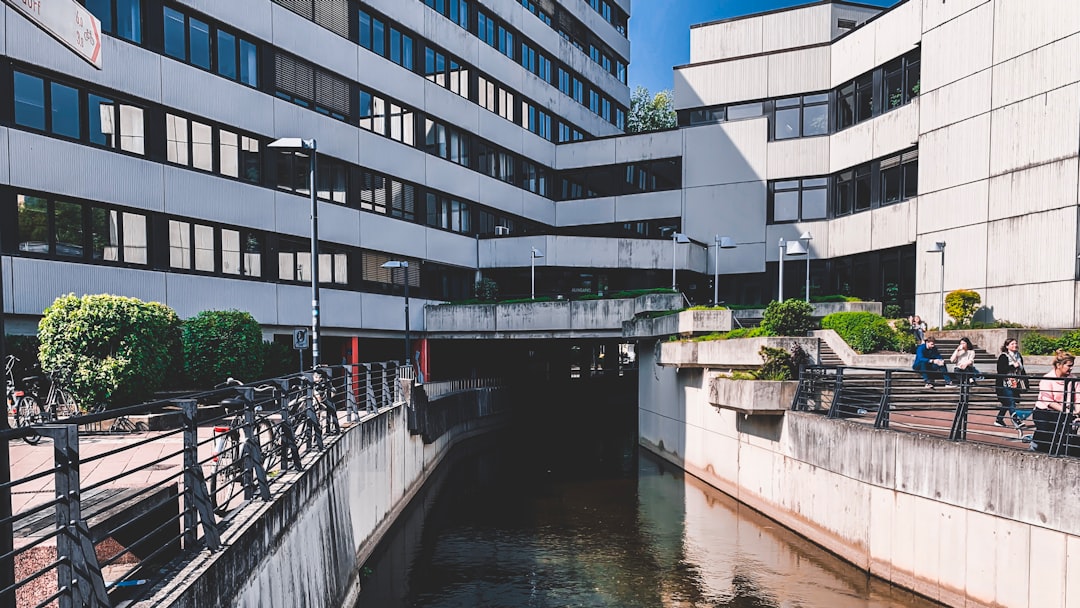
(827, 356)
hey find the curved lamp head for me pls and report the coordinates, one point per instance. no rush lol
(806, 236)
(680, 238)
(938, 247)
(724, 242)
(536, 253)
(795, 248)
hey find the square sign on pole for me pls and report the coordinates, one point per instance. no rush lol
(68, 22)
(301, 338)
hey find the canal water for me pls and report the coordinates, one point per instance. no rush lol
(537, 523)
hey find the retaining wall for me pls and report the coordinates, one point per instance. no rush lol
(964, 524)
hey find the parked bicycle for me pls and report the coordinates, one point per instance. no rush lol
(228, 478)
(23, 406)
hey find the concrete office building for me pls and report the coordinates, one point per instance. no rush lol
(459, 135)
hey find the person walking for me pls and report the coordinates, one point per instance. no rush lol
(1010, 383)
(929, 360)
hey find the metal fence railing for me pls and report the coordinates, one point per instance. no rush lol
(438, 390)
(990, 408)
(91, 519)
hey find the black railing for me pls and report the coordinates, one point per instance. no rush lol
(974, 409)
(96, 520)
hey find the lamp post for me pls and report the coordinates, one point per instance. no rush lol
(295, 143)
(721, 242)
(676, 238)
(793, 249)
(401, 264)
(780, 290)
(806, 236)
(533, 254)
(939, 247)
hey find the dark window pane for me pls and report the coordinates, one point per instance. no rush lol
(862, 193)
(33, 224)
(29, 101)
(69, 229)
(129, 20)
(174, 34)
(253, 254)
(845, 104)
(101, 114)
(65, 110)
(787, 123)
(890, 184)
(102, 9)
(226, 54)
(377, 43)
(786, 206)
(199, 39)
(864, 101)
(913, 83)
(104, 234)
(911, 179)
(249, 63)
(894, 89)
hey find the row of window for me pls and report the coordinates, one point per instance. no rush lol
(890, 86)
(881, 182)
(82, 231)
(216, 49)
(615, 180)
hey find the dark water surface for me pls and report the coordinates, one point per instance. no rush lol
(536, 524)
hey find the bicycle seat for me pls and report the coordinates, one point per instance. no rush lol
(233, 403)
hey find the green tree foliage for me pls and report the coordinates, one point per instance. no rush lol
(278, 360)
(788, 318)
(962, 305)
(650, 113)
(487, 290)
(219, 344)
(116, 350)
(867, 332)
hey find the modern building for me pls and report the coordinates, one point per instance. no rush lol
(462, 135)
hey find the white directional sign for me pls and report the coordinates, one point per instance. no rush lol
(68, 22)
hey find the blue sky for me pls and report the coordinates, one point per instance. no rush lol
(660, 32)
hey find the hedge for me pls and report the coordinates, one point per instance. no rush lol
(219, 344)
(865, 332)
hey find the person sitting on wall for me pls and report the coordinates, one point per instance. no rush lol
(928, 361)
(1053, 413)
(964, 358)
(918, 328)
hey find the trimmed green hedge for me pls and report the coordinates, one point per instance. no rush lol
(867, 332)
(788, 318)
(219, 344)
(1039, 344)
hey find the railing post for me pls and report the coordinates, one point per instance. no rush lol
(77, 571)
(314, 431)
(387, 387)
(369, 390)
(287, 434)
(351, 413)
(882, 420)
(7, 542)
(834, 407)
(196, 498)
(958, 432)
(254, 474)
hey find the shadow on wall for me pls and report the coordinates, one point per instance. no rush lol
(769, 428)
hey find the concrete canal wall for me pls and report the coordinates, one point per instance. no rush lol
(965, 524)
(307, 546)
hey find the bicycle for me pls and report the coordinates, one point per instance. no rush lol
(23, 406)
(58, 402)
(227, 479)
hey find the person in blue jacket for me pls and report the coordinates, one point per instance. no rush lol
(928, 360)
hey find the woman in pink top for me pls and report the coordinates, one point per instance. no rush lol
(1055, 397)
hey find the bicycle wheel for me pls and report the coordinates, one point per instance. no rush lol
(266, 437)
(225, 481)
(29, 414)
(141, 427)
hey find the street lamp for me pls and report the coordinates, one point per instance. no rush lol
(676, 238)
(939, 247)
(295, 143)
(721, 242)
(806, 236)
(790, 248)
(533, 254)
(400, 264)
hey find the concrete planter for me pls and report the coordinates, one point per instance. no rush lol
(822, 309)
(728, 354)
(688, 322)
(753, 396)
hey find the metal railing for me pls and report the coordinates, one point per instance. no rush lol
(94, 517)
(438, 390)
(975, 409)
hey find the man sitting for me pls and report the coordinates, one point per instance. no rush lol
(928, 360)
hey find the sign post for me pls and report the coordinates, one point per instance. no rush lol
(67, 21)
(301, 339)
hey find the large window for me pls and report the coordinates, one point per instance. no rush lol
(900, 177)
(294, 262)
(901, 81)
(77, 230)
(121, 18)
(195, 144)
(857, 100)
(799, 200)
(801, 116)
(209, 47)
(305, 85)
(77, 114)
(332, 176)
(446, 71)
(212, 249)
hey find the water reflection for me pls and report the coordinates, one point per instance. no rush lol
(498, 528)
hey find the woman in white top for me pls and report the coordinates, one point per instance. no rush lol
(964, 358)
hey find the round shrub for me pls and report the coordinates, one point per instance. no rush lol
(892, 311)
(962, 305)
(865, 332)
(219, 344)
(1069, 341)
(116, 350)
(1038, 344)
(787, 318)
(904, 342)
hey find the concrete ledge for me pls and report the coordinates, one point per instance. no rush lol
(752, 396)
(687, 322)
(727, 354)
(821, 309)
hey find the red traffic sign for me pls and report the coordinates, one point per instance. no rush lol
(67, 21)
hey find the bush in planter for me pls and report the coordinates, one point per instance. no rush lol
(116, 350)
(1038, 344)
(904, 342)
(865, 332)
(962, 304)
(487, 290)
(219, 344)
(788, 318)
(892, 311)
(780, 364)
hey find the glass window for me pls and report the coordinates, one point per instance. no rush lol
(29, 101)
(175, 38)
(816, 119)
(134, 238)
(69, 229)
(176, 139)
(815, 200)
(862, 189)
(226, 54)
(129, 20)
(202, 146)
(253, 253)
(787, 123)
(33, 224)
(249, 63)
(104, 234)
(65, 110)
(199, 40)
(101, 117)
(102, 9)
(230, 251)
(132, 129)
(249, 159)
(179, 245)
(746, 110)
(229, 153)
(786, 205)
(204, 248)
